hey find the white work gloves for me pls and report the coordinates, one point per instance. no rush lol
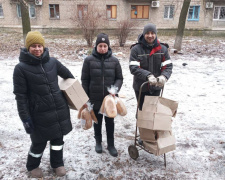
(152, 80)
(161, 80)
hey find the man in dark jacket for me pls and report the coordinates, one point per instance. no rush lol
(100, 71)
(149, 61)
(40, 103)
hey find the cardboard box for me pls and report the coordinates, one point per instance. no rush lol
(74, 93)
(157, 113)
(147, 135)
(166, 142)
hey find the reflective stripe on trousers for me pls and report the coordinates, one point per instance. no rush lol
(56, 147)
(35, 155)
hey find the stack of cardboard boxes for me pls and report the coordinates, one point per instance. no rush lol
(154, 122)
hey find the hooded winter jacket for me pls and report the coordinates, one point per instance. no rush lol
(38, 95)
(98, 73)
(146, 60)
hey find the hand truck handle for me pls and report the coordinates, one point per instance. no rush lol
(139, 96)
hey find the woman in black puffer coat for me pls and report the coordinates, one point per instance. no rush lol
(41, 104)
(100, 71)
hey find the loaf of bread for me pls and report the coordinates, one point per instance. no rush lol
(93, 116)
(110, 107)
(121, 109)
(85, 114)
(102, 109)
(79, 112)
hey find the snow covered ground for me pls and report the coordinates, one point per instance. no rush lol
(199, 126)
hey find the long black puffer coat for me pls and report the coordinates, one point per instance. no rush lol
(38, 95)
(98, 73)
(146, 60)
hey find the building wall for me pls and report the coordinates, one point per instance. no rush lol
(68, 11)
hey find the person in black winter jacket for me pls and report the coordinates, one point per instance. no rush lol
(40, 103)
(100, 71)
(149, 61)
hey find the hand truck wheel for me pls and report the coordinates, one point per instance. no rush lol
(133, 152)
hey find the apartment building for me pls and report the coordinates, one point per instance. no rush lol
(50, 14)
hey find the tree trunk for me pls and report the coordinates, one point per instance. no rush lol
(25, 18)
(181, 25)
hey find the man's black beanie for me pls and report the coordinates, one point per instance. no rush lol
(102, 38)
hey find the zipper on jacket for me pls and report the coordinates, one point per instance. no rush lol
(103, 76)
(153, 64)
(49, 90)
(150, 60)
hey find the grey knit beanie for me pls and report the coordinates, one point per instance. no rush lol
(149, 27)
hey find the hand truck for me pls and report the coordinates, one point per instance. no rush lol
(132, 149)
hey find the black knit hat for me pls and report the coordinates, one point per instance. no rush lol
(102, 38)
(149, 27)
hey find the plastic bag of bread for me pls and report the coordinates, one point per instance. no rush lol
(112, 90)
(89, 106)
(121, 109)
(108, 107)
(87, 115)
(86, 120)
(80, 110)
(90, 109)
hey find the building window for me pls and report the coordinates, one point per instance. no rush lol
(139, 12)
(168, 12)
(1, 11)
(82, 11)
(32, 12)
(219, 13)
(54, 11)
(193, 13)
(111, 12)
(18, 10)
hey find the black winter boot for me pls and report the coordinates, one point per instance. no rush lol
(98, 147)
(111, 148)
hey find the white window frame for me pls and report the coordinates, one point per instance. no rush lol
(168, 14)
(32, 6)
(217, 19)
(18, 9)
(1, 10)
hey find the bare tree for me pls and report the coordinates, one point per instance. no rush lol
(89, 19)
(25, 18)
(124, 28)
(181, 25)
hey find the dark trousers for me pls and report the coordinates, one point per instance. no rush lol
(109, 124)
(143, 94)
(37, 149)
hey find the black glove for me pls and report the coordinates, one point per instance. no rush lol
(28, 125)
